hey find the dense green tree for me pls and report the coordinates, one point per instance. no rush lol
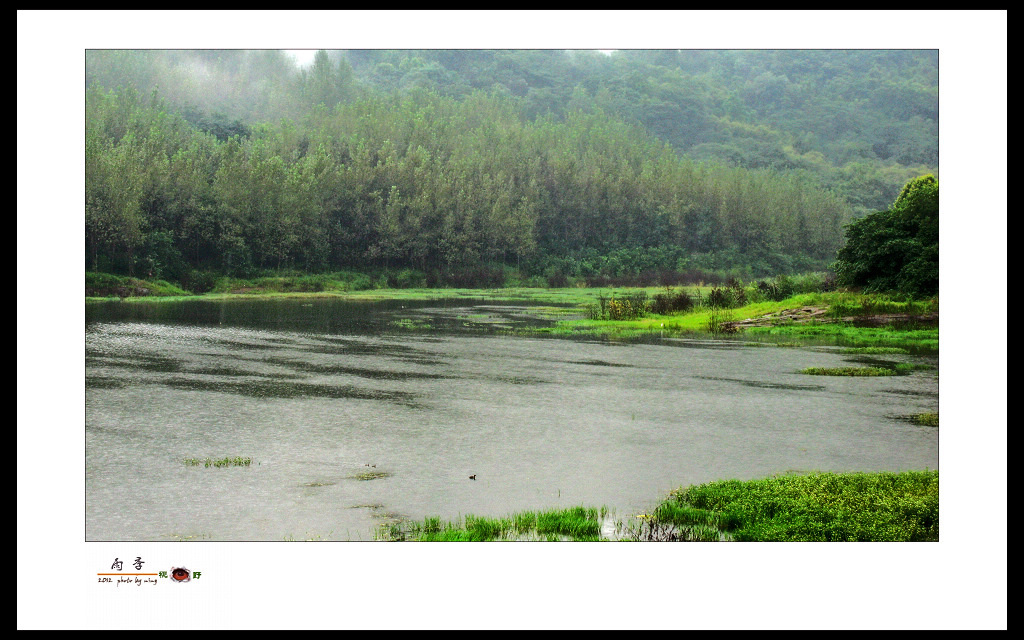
(896, 249)
(114, 222)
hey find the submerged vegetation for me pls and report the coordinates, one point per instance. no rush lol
(236, 461)
(848, 371)
(370, 475)
(925, 419)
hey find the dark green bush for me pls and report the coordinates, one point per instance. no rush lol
(719, 298)
(665, 303)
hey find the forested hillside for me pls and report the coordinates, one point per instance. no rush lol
(548, 162)
(863, 122)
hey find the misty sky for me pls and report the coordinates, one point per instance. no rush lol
(304, 57)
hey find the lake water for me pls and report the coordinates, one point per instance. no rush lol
(355, 415)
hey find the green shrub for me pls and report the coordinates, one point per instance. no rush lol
(666, 303)
(719, 299)
(627, 307)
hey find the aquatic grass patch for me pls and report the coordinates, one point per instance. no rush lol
(370, 475)
(894, 369)
(237, 461)
(893, 507)
(701, 317)
(410, 324)
(432, 529)
(848, 371)
(659, 531)
(285, 389)
(813, 507)
(873, 350)
(677, 522)
(719, 322)
(683, 514)
(580, 524)
(915, 341)
(576, 523)
(925, 419)
(903, 368)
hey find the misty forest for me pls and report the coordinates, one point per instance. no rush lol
(483, 167)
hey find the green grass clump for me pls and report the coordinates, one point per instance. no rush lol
(824, 507)
(411, 324)
(580, 524)
(677, 522)
(899, 369)
(718, 322)
(371, 475)
(904, 368)
(925, 419)
(873, 350)
(851, 304)
(848, 371)
(237, 461)
(576, 523)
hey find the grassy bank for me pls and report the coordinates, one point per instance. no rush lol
(827, 507)
(908, 339)
(753, 313)
(821, 507)
(836, 322)
(105, 286)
